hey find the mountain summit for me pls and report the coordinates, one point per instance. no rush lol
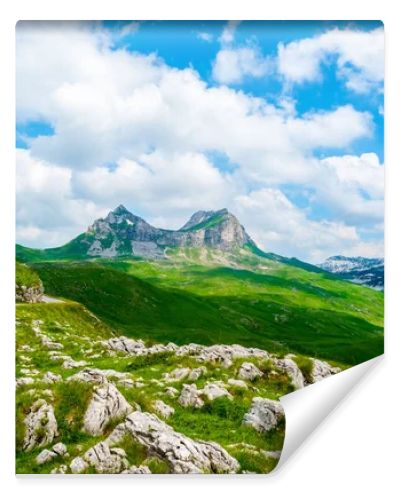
(123, 233)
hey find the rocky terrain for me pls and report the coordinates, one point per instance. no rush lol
(89, 401)
(361, 270)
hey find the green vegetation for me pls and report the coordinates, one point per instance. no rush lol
(25, 276)
(263, 303)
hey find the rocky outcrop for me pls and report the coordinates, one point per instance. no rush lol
(78, 465)
(58, 450)
(190, 396)
(288, 366)
(40, 425)
(106, 460)
(142, 469)
(183, 455)
(107, 403)
(29, 293)
(264, 414)
(225, 354)
(249, 371)
(321, 370)
(163, 409)
(215, 390)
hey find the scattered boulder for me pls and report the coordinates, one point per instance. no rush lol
(78, 465)
(163, 409)
(196, 373)
(71, 363)
(142, 469)
(184, 455)
(89, 375)
(177, 374)
(321, 370)
(225, 354)
(60, 449)
(45, 456)
(106, 403)
(264, 415)
(190, 396)
(237, 383)
(51, 378)
(41, 425)
(24, 381)
(171, 392)
(106, 460)
(288, 366)
(213, 391)
(249, 371)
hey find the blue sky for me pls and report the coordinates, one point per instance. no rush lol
(277, 120)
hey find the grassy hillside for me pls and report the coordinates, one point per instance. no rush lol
(25, 276)
(254, 302)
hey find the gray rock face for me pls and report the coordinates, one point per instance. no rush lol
(224, 354)
(41, 425)
(215, 390)
(264, 415)
(321, 370)
(184, 455)
(29, 294)
(107, 403)
(78, 465)
(249, 371)
(190, 396)
(106, 460)
(290, 367)
(142, 469)
(163, 409)
(122, 233)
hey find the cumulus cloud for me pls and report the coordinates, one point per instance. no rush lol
(359, 57)
(233, 65)
(130, 129)
(205, 36)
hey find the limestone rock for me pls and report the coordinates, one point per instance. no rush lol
(41, 425)
(288, 366)
(51, 378)
(24, 381)
(196, 373)
(184, 455)
(213, 391)
(225, 354)
(237, 383)
(163, 409)
(177, 374)
(321, 370)
(71, 363)
(107, 403)
(60, 449)
(62, 469)
(106, 460)
(142, 469)
(78, 465)
(45, 456)
(190, 396)
(264, 415)
(171, 392)
(249, 371)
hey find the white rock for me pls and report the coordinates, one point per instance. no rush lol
(172, 392)
(106, 460)
(41, 425)
(184, 455)
(78, 465)
(142, 469)
(190, 396)
(24, 381)
(264, 415)
(288, 366)
(60, 449)
(51, 378)
(163, 409)
(107, 403)
(71, 363)
(45, 456)
(237, 383)
(196, 373)
(321, 370)
(249, 371)
(89, 375)
(224, 354)
(213, 391)
(177, 374)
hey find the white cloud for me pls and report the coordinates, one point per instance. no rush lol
(233, 65)
(130, 129)
(205, 37)
(359, 57)
(228, 33)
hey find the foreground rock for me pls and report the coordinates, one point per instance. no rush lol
(249, 371)
(106, 460)
(264, 414)
(183, 455)
(41, 425)
(288, 366)
(321, 370)
(142, 469)
(107, 403)
(190, 396)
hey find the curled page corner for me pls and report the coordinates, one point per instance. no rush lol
(307, 408)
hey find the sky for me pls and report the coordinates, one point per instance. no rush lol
(281, 122)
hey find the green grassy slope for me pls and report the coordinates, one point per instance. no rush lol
(25, 276)
(265, 304)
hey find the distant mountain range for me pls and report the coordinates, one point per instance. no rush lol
(368, 272)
